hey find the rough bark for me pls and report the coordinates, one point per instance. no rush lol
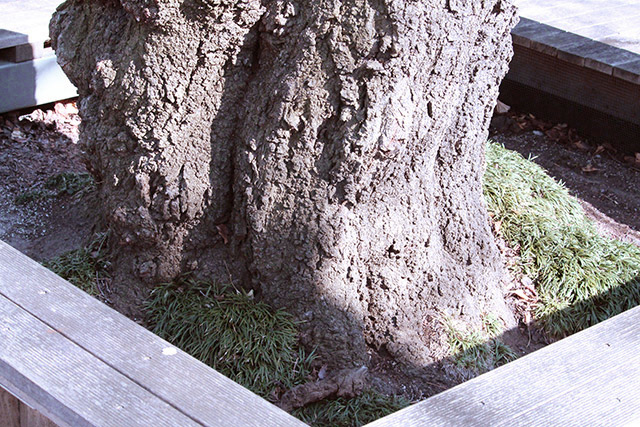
(328, 153)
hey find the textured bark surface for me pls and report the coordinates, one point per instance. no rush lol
(329, 153)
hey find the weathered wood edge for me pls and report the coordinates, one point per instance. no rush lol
(25, 21)
(31, 83)
(589, 378)
(574, 48)
(174, 376)
(69, 385)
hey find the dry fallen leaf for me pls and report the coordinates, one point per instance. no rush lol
(590, 168)
(520, 294)
(501, 107)
(18, 136)
(60, 109)
(554, 134)
(72, 108)
(323, 372)
(581, 146)
(600, 149)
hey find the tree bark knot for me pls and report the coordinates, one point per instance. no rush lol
(291, 144)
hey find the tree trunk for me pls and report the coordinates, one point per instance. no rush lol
(328, 153)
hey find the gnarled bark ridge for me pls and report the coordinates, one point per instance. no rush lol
(328, 152)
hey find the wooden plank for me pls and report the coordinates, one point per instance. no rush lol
(590, 378)
(31, 83)
(9, 38)
(614, 22)
(629, 71)
(173, 375)
(29, 417)
(66, 383)
(584, 86)
(25, 52)
(25, 21)
(9, 409)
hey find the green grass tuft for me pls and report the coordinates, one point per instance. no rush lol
(69, 183)
(582, 278)
(478, 350)
(253, 345)
(86, 268)
(226, 329)
(367, 407)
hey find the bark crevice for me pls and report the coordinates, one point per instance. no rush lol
(327, 153)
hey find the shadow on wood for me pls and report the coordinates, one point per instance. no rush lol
(14, 413)
(81, 363)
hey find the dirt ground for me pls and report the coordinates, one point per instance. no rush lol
(38, 144)
(605, 181)
(34, 146)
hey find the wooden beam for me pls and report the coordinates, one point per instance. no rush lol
(590, 378)
(31, 83)
(29, 417)
(9, 409)
(68, 384)
(79, 330)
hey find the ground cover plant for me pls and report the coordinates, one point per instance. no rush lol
(367, 407)
(581, 277)
(228, 330)
(87, 267)
(476, 351)
(252, 344)
(66, 183)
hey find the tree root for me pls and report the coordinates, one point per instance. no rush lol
(345, 383)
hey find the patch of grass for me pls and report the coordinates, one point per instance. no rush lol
(367, 407)
(581, 277)
(226, 329)
(30, 196)
(478, 350)
(86, 268)
(69, 183)
(252, 344)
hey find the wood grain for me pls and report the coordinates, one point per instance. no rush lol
(29, 417)
(177, 378)
(590, 378)
(68, 384)
(9, 410)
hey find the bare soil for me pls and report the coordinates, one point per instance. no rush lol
(34, 146)
(38, 144)
(605, 181)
